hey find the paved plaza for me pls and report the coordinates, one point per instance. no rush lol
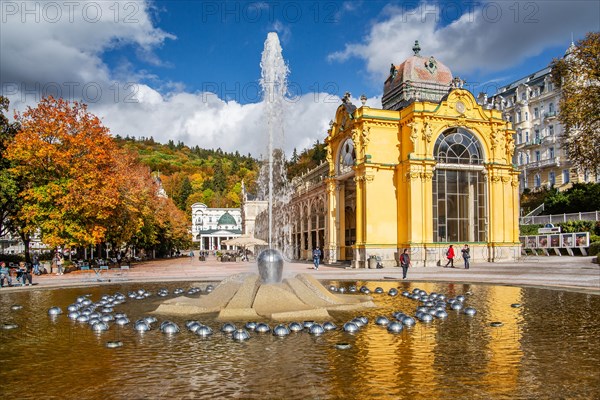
(572, 273)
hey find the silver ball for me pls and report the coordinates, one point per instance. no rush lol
(73, 315)
(107, 317)
(441, 314)
(393, 292)
(363, 319)
(193, 327)
(329, 326)
(382, 321)
(378, 290)
(470, 311)
(308, 324)
(496, 324)
(316, 329)
(342, 290)
(422, 309)
(460, 298)
(54, 311)
(457, 305)
(295, 327)
(240, 335)
(169, 328)
(333, 289)
(281, 330)
(204, 331)
(398, 315)
(120, 315)
(228, 327)
(93, 321)
(270, 266)
(150, 319)
(408, 321)
(80, 299)
(72, 307)
(83, 318)
(515, 305)
(262, 328)
(352, 289)
(394, 327)
(350, 327)
(251, 325)
(210, 288)
(426, 318)
(113, 344)
(9, 326)
(406, 294)
(141, 326)
(100, 327)
(121, 321)
(358, 322)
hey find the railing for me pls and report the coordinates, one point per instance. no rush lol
(556, 218)
(543, 163)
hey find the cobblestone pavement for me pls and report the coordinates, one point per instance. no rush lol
(572, 273)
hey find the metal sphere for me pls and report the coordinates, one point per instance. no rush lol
(72, 307)
(350, 327)
(382, 321)
(120, 315)
(398, 315)
(54, 311)
(329, 326)
(358, 322)
(316, 329)
(193, 327)
(251, 325)
(93, 321)
(378, 290)
(204, 331)
(333, 289)
(150, 319)
(80, 299)
(419, 314)
(210, 288)
(342, 290)
(94, 314)
(107, 317)
(228, 327)
(281, 330)
(141, 326)
(406, 294)
(170, 328)
(408, 321)
(342, 346)
(74, 314)
(457, 305)
(460, 298)
(395, 327)
(307, 324)
(393, 292)
(121, 321)
(429, 304)
(432, 311)
(515, 305)
(441, 314)
(113, 344)
(352, 289)
(496, 324)
(415, 296)
(240, 335)
(422, 309)
(364, 289)
(100, 327)
(416, 291)
(363, 319)
(262, 328)
(470, 311)
(426, 318)
(270, 266)
(9, 326)
(83, 318)
(295, 327)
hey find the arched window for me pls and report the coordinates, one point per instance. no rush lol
(459, 190)
(346, 158)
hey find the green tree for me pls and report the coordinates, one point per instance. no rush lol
(578, 76)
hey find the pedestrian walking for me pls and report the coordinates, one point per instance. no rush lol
(36, 264)
(59, 263)
(450, 255)
(316, 257)
(405, 262)
(191, 255)
(466, 255)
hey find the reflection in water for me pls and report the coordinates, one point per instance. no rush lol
(548, 348)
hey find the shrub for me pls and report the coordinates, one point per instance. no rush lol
(594, 249)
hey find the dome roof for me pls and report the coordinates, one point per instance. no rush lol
(417, 78)
(226, 219)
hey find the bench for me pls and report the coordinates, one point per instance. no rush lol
(84, 268)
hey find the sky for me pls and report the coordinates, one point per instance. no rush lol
(189, 71)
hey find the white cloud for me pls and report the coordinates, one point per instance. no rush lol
(491, 36)
(65, 58)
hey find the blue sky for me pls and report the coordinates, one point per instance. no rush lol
(147, 68)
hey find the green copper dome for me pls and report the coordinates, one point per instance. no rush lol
(226, 219)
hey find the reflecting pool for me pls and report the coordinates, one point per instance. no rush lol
(549, 347)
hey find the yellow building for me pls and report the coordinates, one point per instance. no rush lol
(429, 169)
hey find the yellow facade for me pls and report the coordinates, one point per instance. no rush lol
(393, 177)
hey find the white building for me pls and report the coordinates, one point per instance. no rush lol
(210, 226)
(531, 104)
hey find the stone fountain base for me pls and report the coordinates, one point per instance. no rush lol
(243, 297)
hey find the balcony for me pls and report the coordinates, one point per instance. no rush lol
(550, 115)
(549, 162)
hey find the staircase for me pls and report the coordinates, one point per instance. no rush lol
(528, 219)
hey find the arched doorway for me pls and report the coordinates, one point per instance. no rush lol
(459, 188)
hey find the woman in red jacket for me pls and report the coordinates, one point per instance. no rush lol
(450, 255)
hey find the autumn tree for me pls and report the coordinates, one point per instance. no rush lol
(68, 159)
(578, 76)
(8, 187)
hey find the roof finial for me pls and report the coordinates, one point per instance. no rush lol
(416, 48)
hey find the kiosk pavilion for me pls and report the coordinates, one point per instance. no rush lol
(429, 169)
